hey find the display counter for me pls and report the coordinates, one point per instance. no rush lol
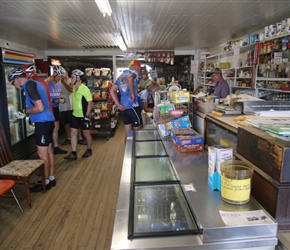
(191, 169)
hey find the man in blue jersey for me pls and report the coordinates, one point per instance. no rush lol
(127, 84)
(37, 107)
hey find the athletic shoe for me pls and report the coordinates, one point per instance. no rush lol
(58, 151)
(71, 157)
(87, 153)
(39, 188)
(66, 142)
(51, 183)
(82, 142)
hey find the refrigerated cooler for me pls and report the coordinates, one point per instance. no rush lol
(165, 203)
(18, 130)
(158, 204)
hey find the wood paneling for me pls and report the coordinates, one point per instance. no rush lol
(79, 212)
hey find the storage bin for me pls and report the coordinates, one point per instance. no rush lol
(206, 107)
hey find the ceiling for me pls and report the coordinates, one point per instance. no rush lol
(144, 24)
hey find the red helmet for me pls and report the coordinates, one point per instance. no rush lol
(29, 68)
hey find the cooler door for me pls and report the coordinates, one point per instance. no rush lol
(147, 135)
(161, 210)
(154, 169)
(16, 124)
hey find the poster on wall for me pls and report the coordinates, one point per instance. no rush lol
(162, 57)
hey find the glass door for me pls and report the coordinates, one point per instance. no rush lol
(16, 124)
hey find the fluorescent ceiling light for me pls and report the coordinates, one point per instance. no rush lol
(104, 7)
(120, 42)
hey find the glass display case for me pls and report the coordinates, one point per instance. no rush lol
(158, 206)
(154, 169)
(161, 208)
(217, 135)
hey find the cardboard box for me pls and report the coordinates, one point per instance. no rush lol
(188, 148)
(179, 96)
(183, 131)
(217, 155)
(187, 140)
(182, 122)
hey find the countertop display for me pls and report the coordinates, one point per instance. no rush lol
(191, 171)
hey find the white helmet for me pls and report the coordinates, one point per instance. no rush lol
(29, 68)
(59, 70)
(15, 72)
(77, 72)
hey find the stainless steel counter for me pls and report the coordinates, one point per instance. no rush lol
(206, 204)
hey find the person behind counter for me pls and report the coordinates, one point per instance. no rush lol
(222, 88)
(147, 96)
(144, 80)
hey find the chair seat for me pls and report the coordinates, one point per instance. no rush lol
(20, 167)
(6, 185)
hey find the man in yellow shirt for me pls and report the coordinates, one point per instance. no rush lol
(82, 106)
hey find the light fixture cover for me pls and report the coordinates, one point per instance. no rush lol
(104, 7)
(120, 42)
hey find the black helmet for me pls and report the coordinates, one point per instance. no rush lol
(59, 70)
(15, 72)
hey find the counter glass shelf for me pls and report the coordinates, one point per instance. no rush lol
(158, 206)
(149, 148)
(147, 135)
(154, 169)
(161, 210)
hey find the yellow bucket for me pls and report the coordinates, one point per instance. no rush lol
(236, 179)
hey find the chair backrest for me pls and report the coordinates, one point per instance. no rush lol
(5, 153)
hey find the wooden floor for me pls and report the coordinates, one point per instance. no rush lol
(76, 214)
(79, 212)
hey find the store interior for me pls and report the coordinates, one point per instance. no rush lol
(161, 187)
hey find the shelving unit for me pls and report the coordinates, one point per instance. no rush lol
(244, 73)
(104, 112)
(185, 78)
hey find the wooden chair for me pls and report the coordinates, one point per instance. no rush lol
(20, 170)
(5, 186)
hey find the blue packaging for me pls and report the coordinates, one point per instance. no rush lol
(161, 226)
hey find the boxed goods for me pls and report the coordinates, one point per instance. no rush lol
(183, 131)
(179, 96)
(187, 141)
(216, 155)
(165, 107)
(182, 122)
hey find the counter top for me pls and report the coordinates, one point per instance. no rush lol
(206, 204)
(225, 121)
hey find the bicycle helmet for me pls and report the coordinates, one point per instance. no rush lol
(29, 68)
(77, 72)
(15, 72)
(59, 70)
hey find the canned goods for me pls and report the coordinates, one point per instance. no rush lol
(272, 30)
(267, 34)
(278, 28)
